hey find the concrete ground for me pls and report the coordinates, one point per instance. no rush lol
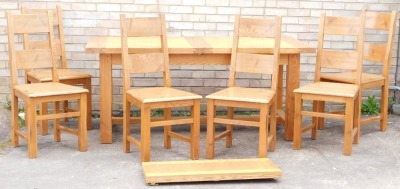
(375, 162)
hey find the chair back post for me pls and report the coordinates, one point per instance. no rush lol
(124, 52)
(339, 59)
(232, 70)
(25, 24)
(61, 37)
(164, 46)
(277, 47)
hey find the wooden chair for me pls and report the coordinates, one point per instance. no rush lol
(66, 76)
(37, 93)
(257, 98)
(319, 91)
(154, 97)
(376, 53)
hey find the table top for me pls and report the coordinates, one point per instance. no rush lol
(195, 45)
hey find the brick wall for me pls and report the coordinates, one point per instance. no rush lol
(86, 18)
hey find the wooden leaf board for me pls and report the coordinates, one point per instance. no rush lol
(210, 170)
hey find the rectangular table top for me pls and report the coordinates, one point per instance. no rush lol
(196, 45)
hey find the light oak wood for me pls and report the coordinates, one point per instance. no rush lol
(256, 95)
(210, 170)
(66, 76)
(254, 63)
(338, 59)
(160, 94)
(379, 53)
(155, 97)
(39, 93)
(259, 98)
(329, 88)
(196, 51)
(146, 63)
(320, 92)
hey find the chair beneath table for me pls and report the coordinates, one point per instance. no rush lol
(319, 92)
(261, 99)
(36, 93)
(66, 76)
(374, 52)
(154, 97)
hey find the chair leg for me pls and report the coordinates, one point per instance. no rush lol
(65, 109)
(126, 126)
(88, 85)
(384, 106)
(321, 120)
(56, 126)
(167, 129)
(318, 106)
(210, 129)
(145, 133)
(357, 118)
(14, 120)
(272, 127)
(348, 126)
(82, 127)
(195, 131)
(263, 131)
(297, 122)
(31, 128)
(228, 142)
(44, 124)
(316, 120)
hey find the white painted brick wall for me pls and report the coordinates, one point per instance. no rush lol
(87, 18)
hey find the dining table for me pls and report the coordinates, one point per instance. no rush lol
(198, 51)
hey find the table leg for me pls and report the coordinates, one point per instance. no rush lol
(292, 83)
(105, 99)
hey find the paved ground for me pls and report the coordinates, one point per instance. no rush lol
(375, 162)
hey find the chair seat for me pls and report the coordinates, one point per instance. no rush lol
(349, 77)
(328, 88)
(160, 94)
(48, 89)
(63, 74)
(256, 95)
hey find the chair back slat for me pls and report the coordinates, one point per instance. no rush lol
(374, 52)
(252, 27)
(146, 63)
(339, 59)
(31, 23)
(32, 59)
(342, 25)
(377, 20)
(142, 27)
(25, 10)
(43, 44)
(254, 63)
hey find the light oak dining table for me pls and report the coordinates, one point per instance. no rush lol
(197, 51)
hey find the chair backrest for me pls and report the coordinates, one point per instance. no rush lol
(59, 39)
(25, 24)
(340, 59)
(375, 52)
(154, 62)
(255, 63)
